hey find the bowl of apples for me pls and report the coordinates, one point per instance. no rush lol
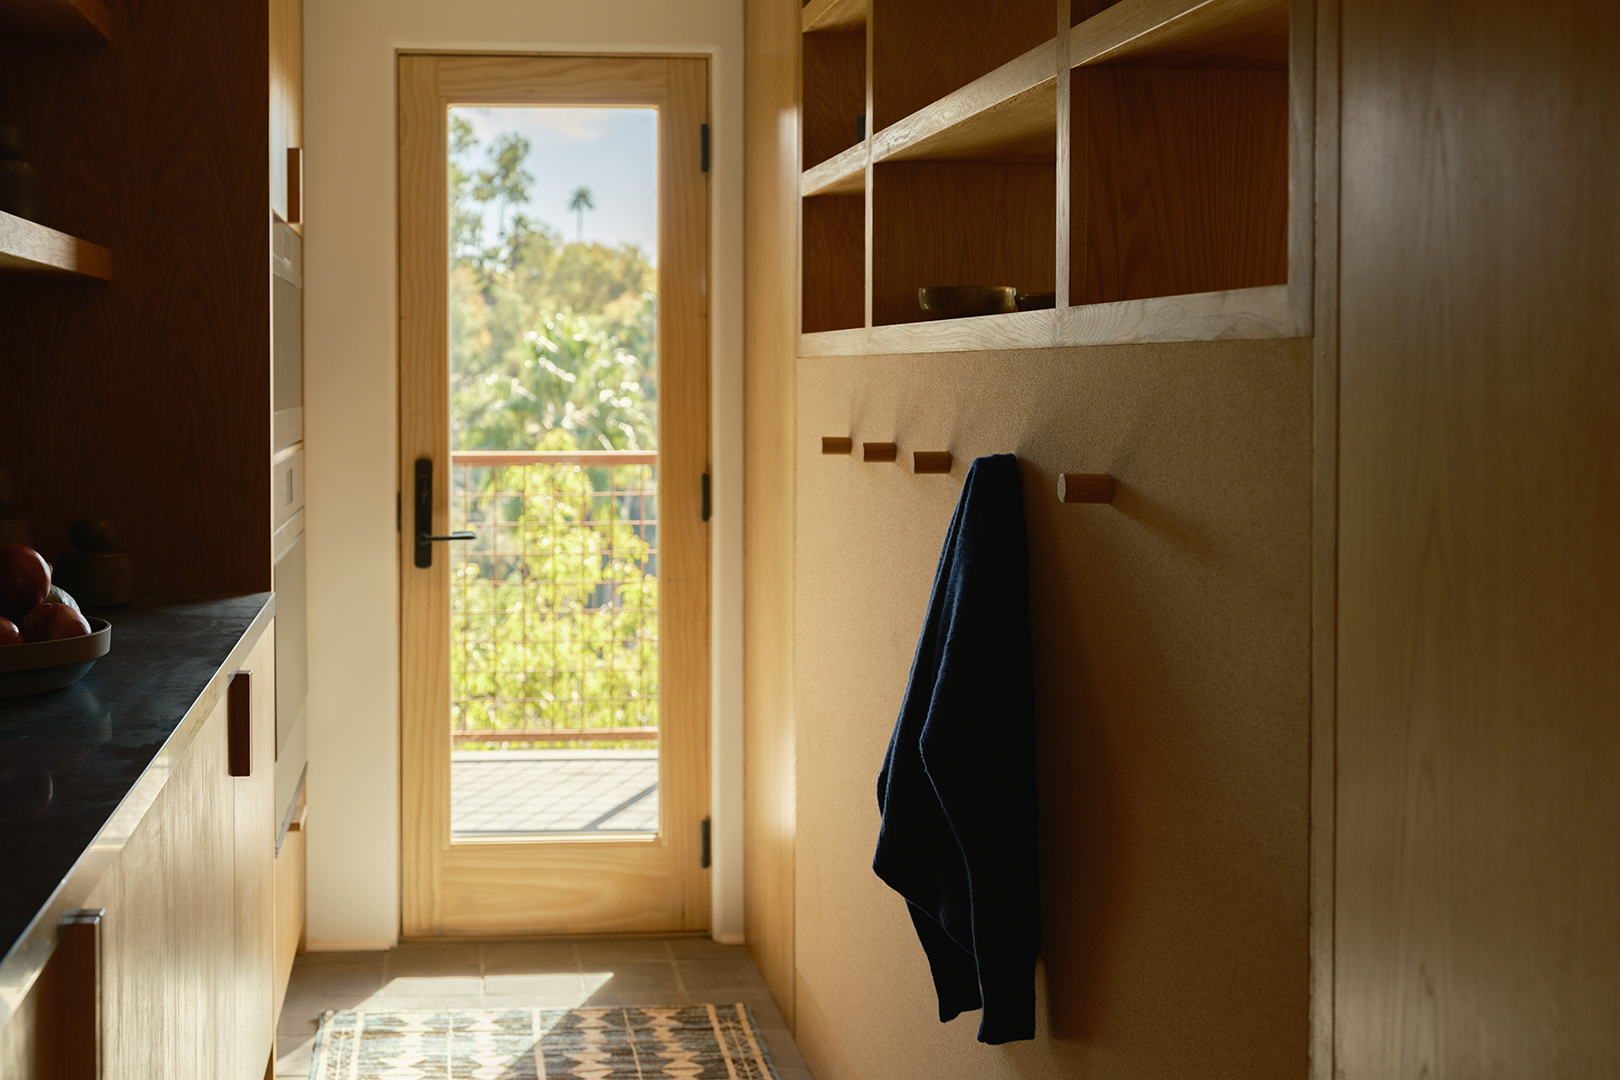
(46, 642)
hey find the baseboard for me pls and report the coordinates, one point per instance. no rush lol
(351, 945)
(732, 939)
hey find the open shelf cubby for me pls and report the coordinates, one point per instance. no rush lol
(1133, 157)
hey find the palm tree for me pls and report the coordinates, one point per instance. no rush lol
(580, 202)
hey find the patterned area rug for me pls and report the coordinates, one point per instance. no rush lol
(688, 1042)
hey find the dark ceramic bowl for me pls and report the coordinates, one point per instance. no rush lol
(962, 301)
(36, 666)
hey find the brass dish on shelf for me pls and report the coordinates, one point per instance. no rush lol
(1037, 301)
(36, 666)
(964, 301)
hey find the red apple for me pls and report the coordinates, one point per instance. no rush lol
(25, 578)
(9, 634)
(48, 622)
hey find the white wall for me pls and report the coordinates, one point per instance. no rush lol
(350, 406)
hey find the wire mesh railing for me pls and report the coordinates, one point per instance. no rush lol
(554, 607)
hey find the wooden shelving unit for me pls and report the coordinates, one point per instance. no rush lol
(1150, 192)
(28, 247)
(88, 19)
(833, 15)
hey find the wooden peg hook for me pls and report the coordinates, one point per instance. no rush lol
(1085, 487)
(837, 444)
(931, 461)
(880, 451)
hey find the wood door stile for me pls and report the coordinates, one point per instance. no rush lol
(491, 887)
(770, 327)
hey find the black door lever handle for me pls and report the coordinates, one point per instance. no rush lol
(424, 516)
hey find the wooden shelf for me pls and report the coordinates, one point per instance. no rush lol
(833, 15)
(1237, 314)
(844, 174)
(28, 247)
(1009, 115)
(59, 18)
(1184, 33)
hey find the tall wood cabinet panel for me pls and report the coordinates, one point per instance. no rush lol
(146, 400)
(1477, 860)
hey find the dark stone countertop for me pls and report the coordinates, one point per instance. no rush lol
(70, 758)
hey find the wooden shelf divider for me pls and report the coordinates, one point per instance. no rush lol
(1184, 33)
(29, 247)
(843, 174)
(833, 15)
(1009, 115)
(59, 18)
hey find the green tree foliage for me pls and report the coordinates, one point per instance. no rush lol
(553, 345)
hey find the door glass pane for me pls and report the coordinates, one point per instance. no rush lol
(554, 438)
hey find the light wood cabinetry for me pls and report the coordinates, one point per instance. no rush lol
(187, 980)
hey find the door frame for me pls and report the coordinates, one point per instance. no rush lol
(563, 885)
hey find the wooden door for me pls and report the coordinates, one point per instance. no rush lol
(518, 884)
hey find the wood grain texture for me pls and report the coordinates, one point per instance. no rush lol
(842, 174)
(254, 796)
(1478, 827)
(834, 93)
(834, 261)
(1179, 182)
(922, 50)
(1241, 314)
(959, 224)
(169, 938)
(28, 247)
(1184, 33)
(1009, 114)
(833, 15)
(1172, 634)
(771, 321)
(291, 875)
(156, 147)
(84, 19)
(487, 889)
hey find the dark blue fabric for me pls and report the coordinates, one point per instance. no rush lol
(957, 790)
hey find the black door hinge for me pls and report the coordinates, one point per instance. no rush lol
(706, 860)
(703, 134)
(399, 511)
(706, 506)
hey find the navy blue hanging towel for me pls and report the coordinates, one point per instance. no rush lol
(957, 790)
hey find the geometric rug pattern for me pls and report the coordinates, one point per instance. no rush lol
(683, 1042)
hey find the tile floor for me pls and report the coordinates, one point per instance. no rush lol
(501, 792)
(555, 973)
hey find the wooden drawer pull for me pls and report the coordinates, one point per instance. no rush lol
(239, 712)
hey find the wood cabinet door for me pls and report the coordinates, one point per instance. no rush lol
(169, 936)
(254, 842)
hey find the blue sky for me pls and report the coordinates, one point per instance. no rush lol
(614, 152)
